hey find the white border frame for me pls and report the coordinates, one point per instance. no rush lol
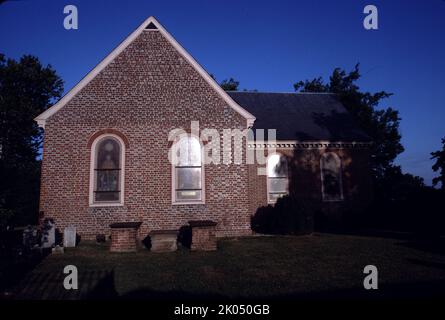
(267, 175)
(41, 119)
(92, 177)
(173, 173)
(323, 198)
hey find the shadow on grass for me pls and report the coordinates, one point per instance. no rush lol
(429, 264)
(372, 233)
(14, 268)
(436, 246)
(416, 290)
(429, 244)
(105, 290)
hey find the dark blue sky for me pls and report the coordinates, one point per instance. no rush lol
(266, 46)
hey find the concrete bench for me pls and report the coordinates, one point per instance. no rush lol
(123, 236)
(164, 240)
(203, 235)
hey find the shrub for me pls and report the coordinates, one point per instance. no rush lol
(185, 236)
(31, 237)
(419, 211)
(286, 216)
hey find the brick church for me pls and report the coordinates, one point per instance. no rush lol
(106, 146)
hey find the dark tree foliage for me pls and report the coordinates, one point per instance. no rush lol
(439, 156)
(382, 125)
(230, 84)
(403, 202)
(398, 186)
(26, 89)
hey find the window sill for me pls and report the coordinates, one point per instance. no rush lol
(95, 205)
(178, 203)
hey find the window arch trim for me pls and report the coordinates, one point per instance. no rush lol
(104, 132)
(93, 159)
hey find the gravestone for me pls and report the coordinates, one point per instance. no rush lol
(48, 233)
(203, 235)
(58, 250)
(124, 236)
(69, 237)
(164, 240)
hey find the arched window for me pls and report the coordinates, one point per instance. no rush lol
(277, 177)
(331, 177)
(188, 175)
(107, 171)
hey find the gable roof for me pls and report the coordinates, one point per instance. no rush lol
(301, 116)
(149, 25)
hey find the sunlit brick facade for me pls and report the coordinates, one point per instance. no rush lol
(138, 96)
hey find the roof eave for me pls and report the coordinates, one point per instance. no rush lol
(40, 122)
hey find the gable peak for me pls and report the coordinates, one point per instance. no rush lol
(151, 26)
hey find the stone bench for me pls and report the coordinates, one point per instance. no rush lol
(124, 236)
(203, 235)
(164, 240)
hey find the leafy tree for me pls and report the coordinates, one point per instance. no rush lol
(382, 125)
(26, 89)
(230, 84)
(439, 165)
(396, 185)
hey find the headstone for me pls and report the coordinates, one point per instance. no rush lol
(164, 240)
(48, 234)
(69, 237)
(58, 250)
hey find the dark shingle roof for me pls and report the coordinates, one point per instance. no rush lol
(301, 116)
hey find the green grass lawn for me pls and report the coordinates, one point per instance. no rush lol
(278, 267)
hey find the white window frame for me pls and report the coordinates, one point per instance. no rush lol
(268, 178)
(93, 158)
(175, 201)
(323, 196)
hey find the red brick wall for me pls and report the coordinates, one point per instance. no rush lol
(305, 178)
(145, 92)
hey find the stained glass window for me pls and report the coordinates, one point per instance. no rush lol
(107, 170)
